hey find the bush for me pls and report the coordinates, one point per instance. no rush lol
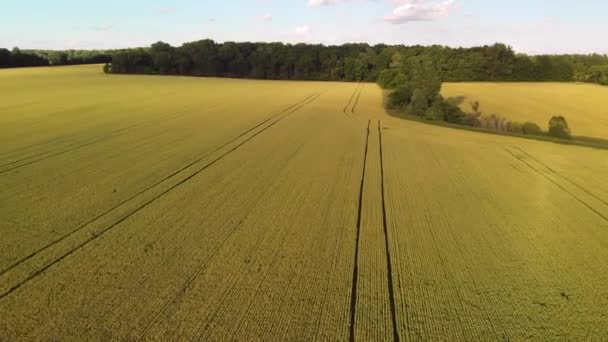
(453, 114)
(107, 68)
(400, 97)
(493, 122)
(515, 127)
(443, 110)
(531, 128)
(558, 127)
(419, 103)
(475, 106)
(471, 119)
(436, 110)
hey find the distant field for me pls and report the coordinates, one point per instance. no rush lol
(171, 208)
(583, 105)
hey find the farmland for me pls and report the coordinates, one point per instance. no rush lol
(158, 208)
(581, 104)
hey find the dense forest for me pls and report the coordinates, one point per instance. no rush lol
(24, 58)
(348, 62)
(354, 62)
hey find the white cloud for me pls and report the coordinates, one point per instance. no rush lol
(318, 3)
(303, 30)
(404, 10)
(418, 10)
(267, 17)
(302, 34)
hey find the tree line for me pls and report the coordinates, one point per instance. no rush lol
(414, 84)
(277, 61)
(348, 62)
(354, 62)
(25, 58)
(412, 75)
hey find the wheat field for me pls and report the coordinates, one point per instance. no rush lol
(170, 208)
(582, 104)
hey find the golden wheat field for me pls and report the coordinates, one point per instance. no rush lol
(582, 104)
(171, 208)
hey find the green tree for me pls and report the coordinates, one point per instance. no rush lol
(531, 128)
(436, 110)
(499, 62)
(475, 106)
(596, 74)
(162, 57)
(443, 110)
(354, 69)
(400, 97)
(419, 103)
(421, 73)
(5, 58)
(558, 127)
(57, 58)
(386, 78)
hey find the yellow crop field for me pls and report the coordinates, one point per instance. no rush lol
(182, 208)
(581, 104)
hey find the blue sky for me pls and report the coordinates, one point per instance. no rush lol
(532, 26)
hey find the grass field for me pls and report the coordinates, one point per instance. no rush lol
(164, 208)
(583, 105)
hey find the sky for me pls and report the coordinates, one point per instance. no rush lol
(529, 26)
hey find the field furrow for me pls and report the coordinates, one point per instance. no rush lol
(469, 265)
(373, 319)
(183, 208)
(358, 96)
(131, 189)
(219, 239)
(582, 194)
(34, 264)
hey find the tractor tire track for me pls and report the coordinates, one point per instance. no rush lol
(56, 154)
(83, 225)
(563, 177)
(521, 159)
(274, 260)
(352, 96)
(389, 264)
(205, 263)
(24, 150)
(114, 134)
(287, 112)
(16, 152)
(188, 283)
(353, 298)
(357, 100)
